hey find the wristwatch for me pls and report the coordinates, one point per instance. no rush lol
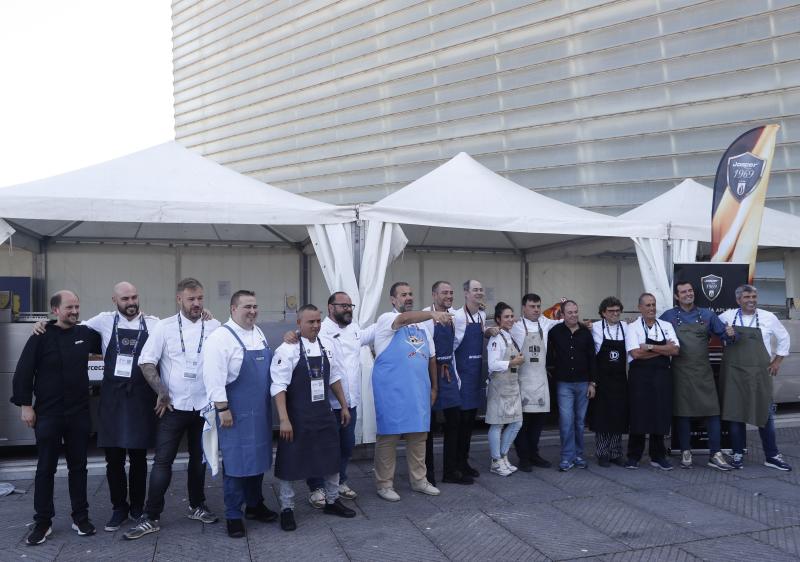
(225, 409)
(649, 347)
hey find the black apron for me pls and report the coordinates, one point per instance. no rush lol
(127, 418)
(650, 391)
(608, 410)
(314, 451)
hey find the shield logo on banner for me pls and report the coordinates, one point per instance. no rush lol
(711, 285)
(744, 173)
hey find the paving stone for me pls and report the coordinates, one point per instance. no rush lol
(398, 539)
(474, 536)
(373, 507)
(520, 489)
(786, 539)
(582, 482)
(771, 488)
(212, 546)
(657, 554)
(739, 547)
(625, 523)
(116, 548)
(686, 512)
(311, 541)
(636, 479)
(554, 533)
(699, 475)
(455, 496)
(765, 510)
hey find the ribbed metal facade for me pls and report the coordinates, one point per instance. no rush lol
(600, 104)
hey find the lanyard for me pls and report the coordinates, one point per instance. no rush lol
(680, 320)
(541, 333)
(321, 357)
(741, 320)
(607, 328)
(142, 328)
(202, 332)
(512, 341)
(471, 319)
(433, 308)
(657, 328)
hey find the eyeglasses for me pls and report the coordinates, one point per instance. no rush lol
(613, 310)
(344, 305)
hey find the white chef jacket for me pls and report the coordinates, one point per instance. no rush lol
(222, 357)
(430, 325)
(286, 358)
(346, 345)
(103, 324)
(384, 333)
(518, 329)
(163, 348)
(462, 319)
(769, 325)
(496, 351)
(635, 334)
(616, 332)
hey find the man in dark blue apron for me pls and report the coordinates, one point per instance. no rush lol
(309, 446)
(236, 362)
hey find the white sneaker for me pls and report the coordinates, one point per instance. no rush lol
(499, 467)
(425, 487)
(388, 494)
(509, 466)
(317, 498)
(347, 492)
(686, 459)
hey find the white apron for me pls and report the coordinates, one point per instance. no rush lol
(503, 404)
(533, 383)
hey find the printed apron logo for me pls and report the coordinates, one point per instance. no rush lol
(613, 355)
(415, 342)
(744, 173)
(711, 285)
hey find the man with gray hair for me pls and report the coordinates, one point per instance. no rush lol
(748, 365)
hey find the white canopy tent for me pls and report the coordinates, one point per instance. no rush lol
(684, 212)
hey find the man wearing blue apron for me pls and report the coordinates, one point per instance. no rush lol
(236, 362)
(469, 325)
(309, 445)
(448, 398)
(404, 382)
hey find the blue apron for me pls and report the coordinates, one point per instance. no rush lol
(469, 363)
(401, 385)
(449, 395)
(314, 450)
(247, 445)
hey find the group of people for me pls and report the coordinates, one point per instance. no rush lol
(161, 376)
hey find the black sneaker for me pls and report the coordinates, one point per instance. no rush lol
(202, 513)
(631, 464)
(236, 528)
(260, 513)
(287, 520)
(39, 534)
(619, 461)
(539, 462)
(469, 471)
(524, 465)
(338, 508)
(778, 463)
(84, 528)
(118, 517)
(144, 526)
(135, 514)
(662, 464)
(458, 477)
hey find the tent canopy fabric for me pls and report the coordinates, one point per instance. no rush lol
(686, 211)
(462, 193)
(165, 184)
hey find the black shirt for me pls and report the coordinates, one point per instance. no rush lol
(570, 355)
(54, 368)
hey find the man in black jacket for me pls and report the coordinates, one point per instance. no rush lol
(53, 367)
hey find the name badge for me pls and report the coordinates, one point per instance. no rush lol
(317, 390)
(190, 366)
(123, 366)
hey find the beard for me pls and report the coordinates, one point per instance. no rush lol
(343, 318)
(129, 310)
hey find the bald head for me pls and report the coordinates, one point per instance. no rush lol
(66, 307)
(126, 297)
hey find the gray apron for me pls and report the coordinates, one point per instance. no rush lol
(745, 382)
(504, 404)
(533, 385)
(694, 390)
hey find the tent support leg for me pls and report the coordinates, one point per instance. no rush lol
(304, 278)
(39, 301)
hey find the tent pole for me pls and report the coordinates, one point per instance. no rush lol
(39, 281)
(358, 248)
(304, 280)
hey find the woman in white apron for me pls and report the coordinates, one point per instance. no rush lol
(504, 402)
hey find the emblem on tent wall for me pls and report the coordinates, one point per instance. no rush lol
(744, 173)
(711, 286)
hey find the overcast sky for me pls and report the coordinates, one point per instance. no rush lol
(81, 81)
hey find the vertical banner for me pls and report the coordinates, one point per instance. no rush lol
(740, 189)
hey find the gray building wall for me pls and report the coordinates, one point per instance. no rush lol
(600, 104)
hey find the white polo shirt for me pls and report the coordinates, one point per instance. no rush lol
(163, 348)
(635, 334)
(103, 324)
(346, 343)
(286, 358)
(223, 355)
(616, 332)
(769, 325)
(462, 319)
(384, 333)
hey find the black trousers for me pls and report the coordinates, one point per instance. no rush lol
(450, 446)
(656, 447)
(126, 487)
(466, 422)
(527, 441)
(51, 431)
(169, 432)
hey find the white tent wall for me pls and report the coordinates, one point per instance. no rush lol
(15, 262)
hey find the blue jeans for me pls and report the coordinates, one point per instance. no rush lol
(347, 440)
(712, 426)
(499, 444)
(767, 433)
(241, 490)
(572, 404)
